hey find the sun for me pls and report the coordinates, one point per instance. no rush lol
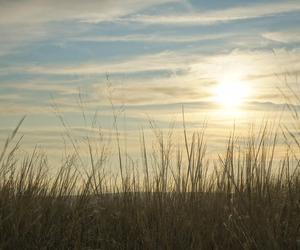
(231, 93)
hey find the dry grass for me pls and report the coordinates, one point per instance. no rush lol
(173, 200)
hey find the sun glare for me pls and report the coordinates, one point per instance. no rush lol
(231, 93)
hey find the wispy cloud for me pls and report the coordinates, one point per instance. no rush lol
(150, 62)
(153, 38)
(28, 21)
(219, 16)
(287, 36)
(36, 11)
(63, 87)
(249, 65)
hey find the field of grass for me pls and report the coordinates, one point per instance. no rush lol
(173, 200)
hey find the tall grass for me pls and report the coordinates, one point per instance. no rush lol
(175, 199)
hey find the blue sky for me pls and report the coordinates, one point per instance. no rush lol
(158, 55)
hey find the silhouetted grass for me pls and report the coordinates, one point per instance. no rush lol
(174, 200)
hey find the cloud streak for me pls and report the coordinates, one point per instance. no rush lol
(152, 38)
(150, 62)
(219, 16)
(28, 21)
(248, 63)
(42, 11)
(287, 36)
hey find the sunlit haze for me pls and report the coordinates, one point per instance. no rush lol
(225, 62)
(231, 93)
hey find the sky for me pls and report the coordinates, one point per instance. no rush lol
(225, 62)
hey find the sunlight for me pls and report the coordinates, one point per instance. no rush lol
(230, 93)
